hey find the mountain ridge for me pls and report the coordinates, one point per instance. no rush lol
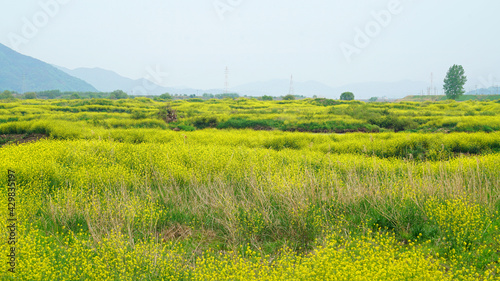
(107, 81)
(23, 73)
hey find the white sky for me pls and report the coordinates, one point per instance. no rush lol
(260, 40)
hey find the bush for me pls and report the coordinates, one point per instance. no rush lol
(205, 122)
(136, 114)
(30, 96)
(6, 95)
(241, 123)
(118, 94)
(186, 128)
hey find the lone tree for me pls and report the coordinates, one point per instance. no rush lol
(30, 95)
(118, 94)
(454, 82)
(347, 96)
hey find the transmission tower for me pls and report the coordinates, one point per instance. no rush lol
(432, 83)
(226, 85)
(291, 91)
(24, 83)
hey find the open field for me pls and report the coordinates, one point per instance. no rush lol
(84, 118)
(243, 190)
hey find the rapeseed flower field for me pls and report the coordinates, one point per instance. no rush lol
(106, 197)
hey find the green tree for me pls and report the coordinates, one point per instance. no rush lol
(454, 82)
(6, 95)
(265, 97)
(347, 96)
(118, 94)
(373, 99)
(165, 96)
(30, 96)
(289, 97)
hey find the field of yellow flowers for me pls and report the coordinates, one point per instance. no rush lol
(106, 197)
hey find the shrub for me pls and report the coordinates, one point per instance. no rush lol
(205, 122)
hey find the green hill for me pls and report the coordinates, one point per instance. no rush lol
(21, 73)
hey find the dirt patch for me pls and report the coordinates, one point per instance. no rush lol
(20, 138)
(180, 232)
(176, 232)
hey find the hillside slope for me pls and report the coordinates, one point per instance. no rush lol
(22, 73)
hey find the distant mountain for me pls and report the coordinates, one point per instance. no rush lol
(108, 81)
(281, 87)
(310, 88)
(22, 73)
(397, 89)
(483, 91)
(104, 80)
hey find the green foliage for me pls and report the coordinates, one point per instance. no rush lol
(137, 114)
(228, 95)
(29, 95)
(267, 98)
(454, 82)
(347, 96)
(6, 95)
(242, 123)
(163, 97)
(289, 97)
(326, 102)
(118, 94)
(373, 99)
(186, 128)
(205, 122)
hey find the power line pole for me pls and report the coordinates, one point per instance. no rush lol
(432, 83)
(291, 90)
(226, 85)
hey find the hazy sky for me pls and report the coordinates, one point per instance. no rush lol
(332, 41)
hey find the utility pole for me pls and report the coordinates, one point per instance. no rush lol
(432, 82)
(291, 90)
(226, 85)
